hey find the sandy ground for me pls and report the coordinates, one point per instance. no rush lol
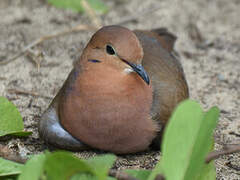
(210, 59)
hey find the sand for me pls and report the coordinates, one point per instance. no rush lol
(208, 42)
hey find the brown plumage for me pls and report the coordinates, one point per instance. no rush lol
(119, 95)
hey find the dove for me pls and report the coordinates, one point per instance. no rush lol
(119, 95)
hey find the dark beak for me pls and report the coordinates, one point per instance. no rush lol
(138, 68)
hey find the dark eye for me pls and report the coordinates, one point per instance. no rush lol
(110, 50)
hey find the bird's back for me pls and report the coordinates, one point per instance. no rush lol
(165, 71)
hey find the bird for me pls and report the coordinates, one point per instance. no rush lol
(119, 95)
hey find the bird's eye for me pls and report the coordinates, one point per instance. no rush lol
(110, 50)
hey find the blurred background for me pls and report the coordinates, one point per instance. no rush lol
(208, 42)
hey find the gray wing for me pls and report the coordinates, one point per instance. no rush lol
(166, 73)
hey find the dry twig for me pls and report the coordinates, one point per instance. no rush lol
(78, 28)
(82, 27)
(3, 78)
(8, 154)
(36, 57)
(22, 92)
(120, 175)
(228, 149)
(91, 13)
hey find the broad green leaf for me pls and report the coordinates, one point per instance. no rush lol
(33, 169)
(8, 168)
(84, 176)
(203, 144)
(208, 172)
(21, 133)
(10, 119)
(98, 6)
(186, 141)
(70, 4)
(101, 165)
(14, 177)
(138, 174)
(75, 5)
(63, 165)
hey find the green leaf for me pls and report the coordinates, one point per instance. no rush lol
(186, 141)
(63, 165)
(101, 165)
(33, 169)
(21, 133)
(9, 168)
(75, 5)
(138, 174)
(98, 6)
(208, 172)
(69, 4)
(10, 119)
(84, 176)
(14, 177)
(205, 140)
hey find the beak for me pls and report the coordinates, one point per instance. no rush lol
(138, 68)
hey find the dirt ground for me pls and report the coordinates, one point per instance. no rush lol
(208, 42)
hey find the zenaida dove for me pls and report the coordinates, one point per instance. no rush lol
(119, 95)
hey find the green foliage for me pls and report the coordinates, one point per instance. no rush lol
(33, 169)
(9, 168)
(207, 172)
(59, 165)
(84, 177)
(11, 122)
(72, 165)
(75, 5)
(139, 174)
(97, 166)
(187, 140)
(101, 165)
(89, 177)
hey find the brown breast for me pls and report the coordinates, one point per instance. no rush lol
(109, 110)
